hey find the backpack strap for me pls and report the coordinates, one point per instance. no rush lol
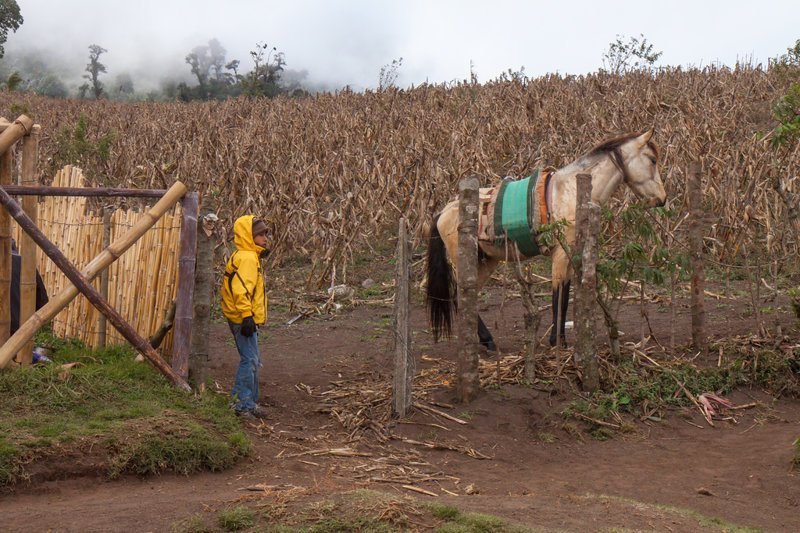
(230, 276)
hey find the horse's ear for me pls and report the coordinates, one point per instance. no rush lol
(645, 137)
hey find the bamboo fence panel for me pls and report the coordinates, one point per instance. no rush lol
(142, 283)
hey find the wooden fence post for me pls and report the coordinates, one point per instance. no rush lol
(5, 254)
(694, 192)
(11, 134)
(203, 294)
(27, 248)
(402, 393)
(183, 304)
(468, 380)
(583, 184)
(102, 323)
(587, 222)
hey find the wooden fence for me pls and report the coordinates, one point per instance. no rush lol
(141, 284)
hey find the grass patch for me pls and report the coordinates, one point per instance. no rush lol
(367, 293)
(192, 524)
(545, 437)
(236, 518)
(126, 413)
(795, 462)
(700, 520)
(347, 524)
(454, 521)
(444, 512)
(636, 389)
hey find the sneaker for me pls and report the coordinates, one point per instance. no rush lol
(259, 412)
(248, 415)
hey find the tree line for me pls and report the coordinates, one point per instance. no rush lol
(210, 76)
(216, 76)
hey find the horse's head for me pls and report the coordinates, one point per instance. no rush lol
(640, 170)
(636, 156)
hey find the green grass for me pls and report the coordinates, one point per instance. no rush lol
(348, 524)
(454, 521)
(795, 462)
(444, 512)
(545, 437)
(236, 518)
(126, 412)
(192, 524)
(370, 292)
(636, 385)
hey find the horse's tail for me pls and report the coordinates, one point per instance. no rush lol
(439, 289)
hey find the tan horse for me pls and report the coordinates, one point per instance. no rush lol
(631, 159)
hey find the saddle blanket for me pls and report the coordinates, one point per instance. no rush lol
(513, 210)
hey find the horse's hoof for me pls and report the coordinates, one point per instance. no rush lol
(554, 341)
(490, 346)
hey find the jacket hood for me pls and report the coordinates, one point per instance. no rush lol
(243, 235)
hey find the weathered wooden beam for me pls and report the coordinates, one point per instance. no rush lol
(41, 190)
(27, 248)
(467, 375)
(587, 221)
(402, 393)
(181, 341)
(14, 132)
(160, 334)
(5, 254)
(11, 133)
(695, 197)
(203, 294)
(102, 323)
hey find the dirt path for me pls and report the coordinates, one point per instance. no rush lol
(542, 472)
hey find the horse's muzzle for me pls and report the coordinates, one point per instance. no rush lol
(657, 202)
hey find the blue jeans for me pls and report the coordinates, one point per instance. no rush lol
(245, 388)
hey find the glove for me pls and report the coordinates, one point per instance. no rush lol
(264, 254)
(248, 326)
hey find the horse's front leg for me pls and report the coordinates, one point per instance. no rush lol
(485, 336)
(560, 302)
(561, 284)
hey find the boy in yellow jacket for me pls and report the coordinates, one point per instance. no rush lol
(244, 303)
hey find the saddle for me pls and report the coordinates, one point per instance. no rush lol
(513, 210)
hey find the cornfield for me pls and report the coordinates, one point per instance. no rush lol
(332, 173)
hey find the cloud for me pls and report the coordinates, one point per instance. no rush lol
(346, 42)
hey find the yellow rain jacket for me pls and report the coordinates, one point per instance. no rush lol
(243, 292)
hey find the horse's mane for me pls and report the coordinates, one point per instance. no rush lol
(612, 144)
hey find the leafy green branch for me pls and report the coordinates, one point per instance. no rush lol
(644, 259)
(74, 146)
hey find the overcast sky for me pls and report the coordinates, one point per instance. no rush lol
(346, 42)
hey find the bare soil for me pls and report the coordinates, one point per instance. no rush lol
(673, 473)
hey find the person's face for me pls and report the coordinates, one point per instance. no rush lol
(260, 240)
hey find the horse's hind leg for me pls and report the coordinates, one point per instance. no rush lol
(486, 265)
(485, 336)
(560, 322)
